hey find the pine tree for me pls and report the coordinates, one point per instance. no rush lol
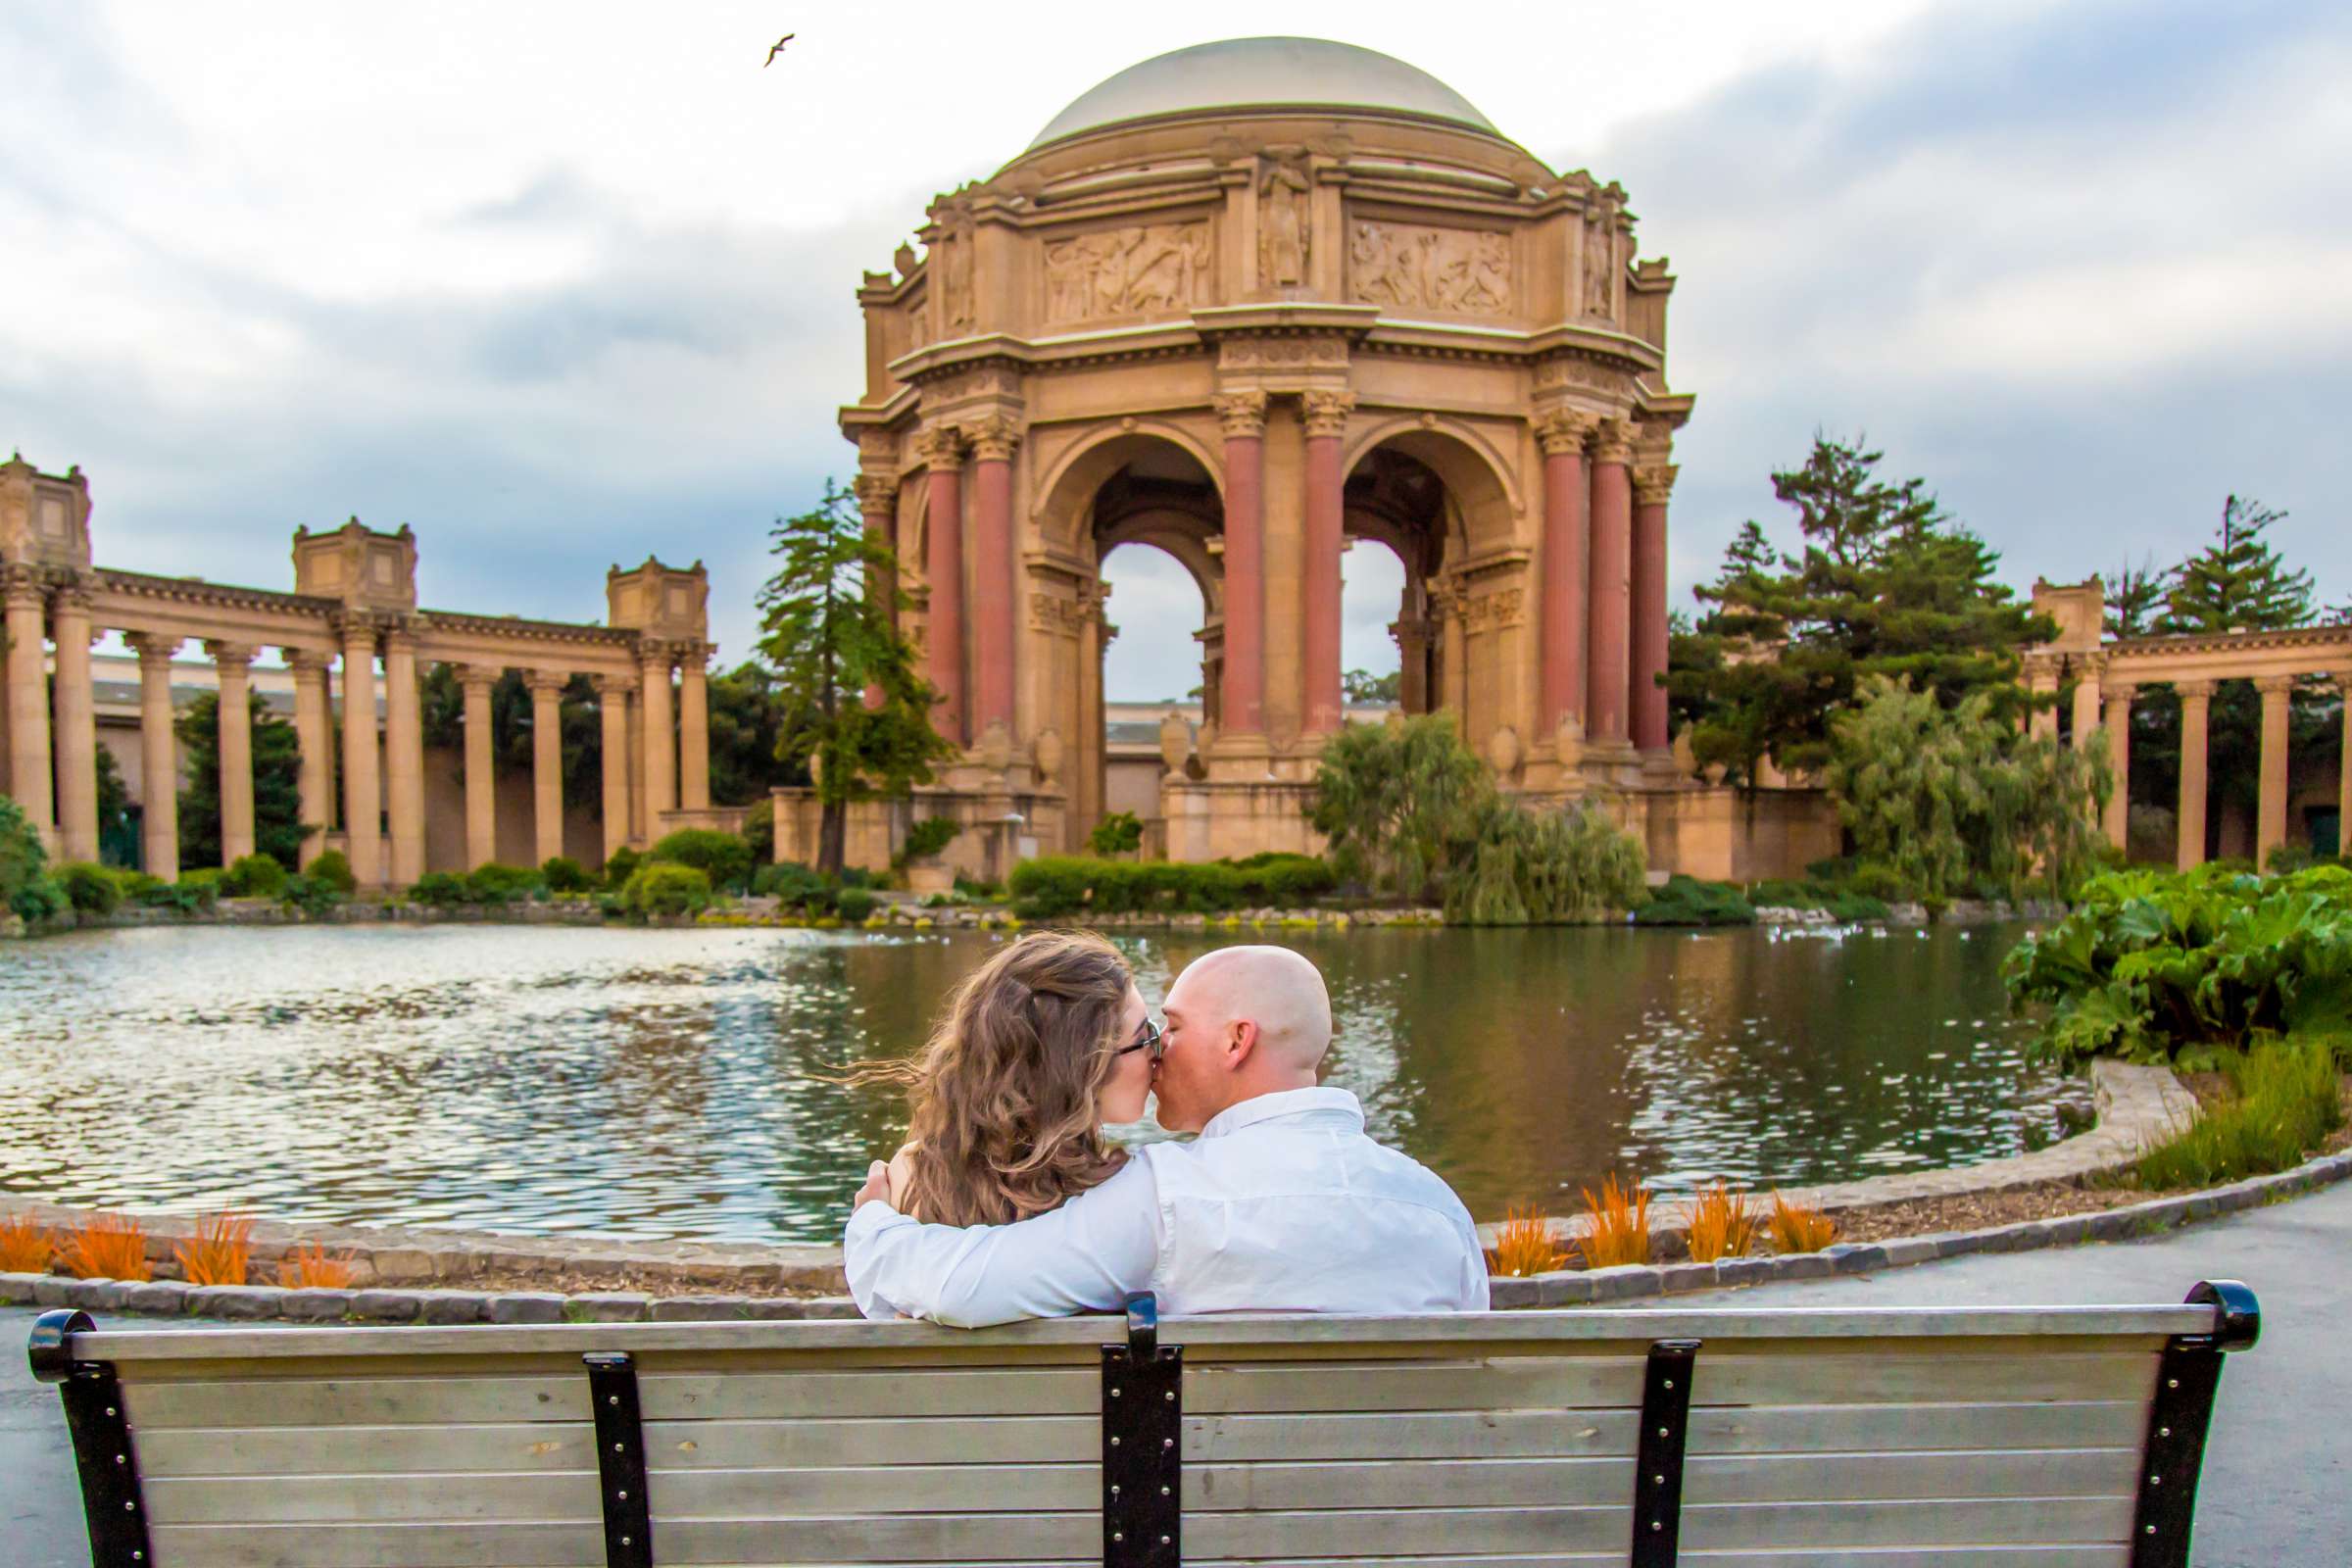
(1883, 584)
(2136, 598)
(860, 712)
(2238, 582)
(278, 826)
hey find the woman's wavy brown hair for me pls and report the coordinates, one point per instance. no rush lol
(1005, 1121)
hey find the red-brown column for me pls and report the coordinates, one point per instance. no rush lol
(1241, 709)
(942, 563)
(993, 573)
(1609, 654)
(1647, 700)
(1561, 617)
(1326, 416)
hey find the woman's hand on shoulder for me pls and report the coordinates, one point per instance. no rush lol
(901, 1177)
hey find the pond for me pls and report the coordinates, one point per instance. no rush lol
(665, 1084)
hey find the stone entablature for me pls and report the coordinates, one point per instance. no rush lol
(1249, 336)
(355, 601)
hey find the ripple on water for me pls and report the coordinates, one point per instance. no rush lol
(655, 1084)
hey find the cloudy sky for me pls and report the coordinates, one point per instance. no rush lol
(560, 285)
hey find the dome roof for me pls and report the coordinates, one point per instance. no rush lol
(1263, 74)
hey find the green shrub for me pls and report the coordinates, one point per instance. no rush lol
(724, 857)
(794, 886)
(760, 830)
(254, 876)
(493, 883)
(973, 887)
(1119, 833)
(1687, 901)
(1054, 885)
(620, 865)
(2190, 968)
(333, 867)
(666, 888)
(856, 876)
(1874, 879)
(193, 893)
(1853, 909)
(1289, 880)
(2283, 1104)
(310, 895)
(564, 875)
(91, 889)
(928, 837)
(855, 904)
(1544, 867)
(442, 890)
(27, 886)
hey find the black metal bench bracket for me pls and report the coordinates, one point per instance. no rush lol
(1658, 1474)
(620, 1460)
(2187, 1375)
(100, 1425)
(1143, 1445)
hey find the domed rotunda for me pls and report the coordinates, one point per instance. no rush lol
(1247, 302)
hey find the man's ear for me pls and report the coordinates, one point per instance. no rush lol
(1240, 1043)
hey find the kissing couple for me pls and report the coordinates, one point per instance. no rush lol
(1009, 1202)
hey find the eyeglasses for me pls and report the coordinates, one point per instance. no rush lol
(1148, 1037)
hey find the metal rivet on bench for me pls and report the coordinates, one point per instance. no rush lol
(2155, 1480)
(1170, 1395)
(1114, 1442)
(1115, 1489)
(2164, 1431)
(1163, 1491)
(2169, 1382)
(1114, 1394)
(1164, 1541)
(1119, 1535)
(612, 1398)
(1657, 1524)
(1167, 1443)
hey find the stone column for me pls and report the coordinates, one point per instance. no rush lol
(2196, 702)
(547, 763)
(1411, 633)
(877, 492)
(314, 736)
(1241, 705)
(1320, 703)
(1445, 605)
(2041, 679)
(233, 666)
(660, 739)
(2119, 754)
(637, 782)
(2343, 771)
(2270, 818)
(1608, 650)
(943, 565)
(404, 756)
(481, 765)
(76, 729)
(612, 704)
(27, 699)
(993, 575)
(1645, 701)
(159, 756)
(362, 800)
(2088, 669)
(1561, 598)
(694, 730)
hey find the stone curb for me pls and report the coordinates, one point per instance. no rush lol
(272, 1302)
(1581, 1286)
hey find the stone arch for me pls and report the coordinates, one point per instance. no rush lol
(1064, 492)
(1480, 478)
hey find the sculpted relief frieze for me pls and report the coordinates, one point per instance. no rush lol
(1414, 267)
(1127, 272)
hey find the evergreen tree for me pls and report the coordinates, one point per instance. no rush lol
(2238, 582)
(277, 826)
(747, 735)
(2135, 599)
(1883, 584)
(858, 713)
(579, 712)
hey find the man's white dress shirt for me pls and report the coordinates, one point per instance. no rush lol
(1281, 1204)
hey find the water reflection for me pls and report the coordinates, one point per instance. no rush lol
(665, 1084)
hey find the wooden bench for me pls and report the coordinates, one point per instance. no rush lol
(2037, 1437)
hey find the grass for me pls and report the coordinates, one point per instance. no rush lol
(218, 1253)
(108, 1246)
(2282, 1103)
(25, 1247)
(1797, 1228)
(310, 1268)
(1523, 1244)
(1617, 1225)
(1722, 1224)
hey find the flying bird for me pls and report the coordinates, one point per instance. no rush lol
(777, 50)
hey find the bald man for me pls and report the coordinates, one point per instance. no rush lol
(1280, 1204)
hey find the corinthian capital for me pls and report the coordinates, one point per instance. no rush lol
(1327, 412)
(994, 440)
(1564, 431)
(940, 447)
(1655, 483)
(1243, 414)
(1613, 442)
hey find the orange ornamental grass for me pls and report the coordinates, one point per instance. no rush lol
(108, 1246)
(1523, 1244)
(25, 1247)
(1616, 1225)
(1722, 1224)
(219, 1250)
(1796, 1228)
(309, 1268)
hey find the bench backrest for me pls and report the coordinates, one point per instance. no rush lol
(1961, 1438)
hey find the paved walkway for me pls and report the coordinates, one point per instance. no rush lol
(2277, 1483)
